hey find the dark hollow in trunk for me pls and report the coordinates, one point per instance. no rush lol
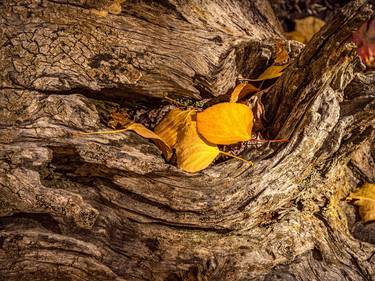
(108, 207)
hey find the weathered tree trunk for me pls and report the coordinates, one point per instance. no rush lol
(108, 207)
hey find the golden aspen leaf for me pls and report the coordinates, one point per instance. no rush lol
(225, 123)
(194, 153)
(148, 134)
(271, 72)
(305, 29)
(171, 124)
(241, 91)
(364, 197)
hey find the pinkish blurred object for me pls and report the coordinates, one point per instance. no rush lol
(365, 40)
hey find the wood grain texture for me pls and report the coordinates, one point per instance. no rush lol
(107, 207)
(151, 48)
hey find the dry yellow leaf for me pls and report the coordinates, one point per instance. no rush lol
(277, 68)
(241, 91)
(193, 153)
(271, 72)
(171, 124)
(364, 197)
(305, 29)
(225, 123)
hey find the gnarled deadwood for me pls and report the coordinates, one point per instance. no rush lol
(107, 207)
(190, 49)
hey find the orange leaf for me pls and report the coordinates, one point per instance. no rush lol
(225, 123)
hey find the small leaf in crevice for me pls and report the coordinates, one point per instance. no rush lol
(171, 124)
(276, 69)
(225, 123)
(271, 72)
(364, 197)
(241, 91)
(194, 153)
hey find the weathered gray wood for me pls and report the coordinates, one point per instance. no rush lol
(151, 48)
(107, 207)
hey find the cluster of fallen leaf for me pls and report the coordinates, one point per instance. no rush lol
(195, 135)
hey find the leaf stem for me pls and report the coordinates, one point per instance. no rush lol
(173, 101)
(104, 132)
(236, 157)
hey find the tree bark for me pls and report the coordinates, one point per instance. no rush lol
(108, 207)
